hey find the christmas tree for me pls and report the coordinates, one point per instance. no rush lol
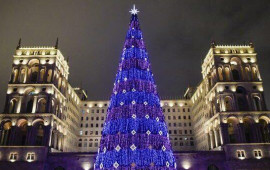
(135, 134)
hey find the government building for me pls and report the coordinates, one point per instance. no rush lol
(221, 124)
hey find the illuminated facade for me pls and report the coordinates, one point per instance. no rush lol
(222, 123)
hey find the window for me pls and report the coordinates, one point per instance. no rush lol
(169, 117)
(169, 110)
(86, 125)
(97, 118)
(169, 124)
(96, 144)
(80, 144)
(86, 118)
(179, 117)
(102, 118)
(241, 154)
(86, 132)
(13, 157)
(184, 110)
(30, 157)
(92, 118)
(257, 154)
(185, 117)
(90, 144)
(180, 124)
(175, 131)
(173, 110)
(81, 118)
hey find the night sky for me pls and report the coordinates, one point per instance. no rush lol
(177, 34)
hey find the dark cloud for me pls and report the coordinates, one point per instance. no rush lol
(177, 33)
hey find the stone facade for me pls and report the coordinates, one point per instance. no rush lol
(223, 123)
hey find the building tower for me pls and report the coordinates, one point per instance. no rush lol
(39, 101)
(135, 134)
(229, 103)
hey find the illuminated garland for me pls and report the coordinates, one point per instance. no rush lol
(135, 135)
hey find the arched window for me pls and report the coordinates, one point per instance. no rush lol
(220, 74)
(49, 76)
(22, 77)
(248, 130)
(236, 68)
(29, 98)
(247, 70)
(22, 133)
(5, 133)
(59, 82)
(241, 99)
(14, 76)
(235, 75)
(212, 167)
(265, 131)
(232, 130)
(34, 70)
(42, 105)
(29, 106)
(12, 106)
(42, 73)
(254, 73)
(39, 134)
(257, 103)
(227, 74)
(34, 73)
(228, 103)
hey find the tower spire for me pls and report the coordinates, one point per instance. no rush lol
(19, 44)
(56, 44)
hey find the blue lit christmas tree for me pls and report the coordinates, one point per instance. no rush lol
(135, 134)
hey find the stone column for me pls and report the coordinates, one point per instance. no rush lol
(47, 135)
(220, 136)
(224, 133)
(216, 137)
(34, 105)
(211, 139)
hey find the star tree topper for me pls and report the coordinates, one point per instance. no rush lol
(134, 11)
